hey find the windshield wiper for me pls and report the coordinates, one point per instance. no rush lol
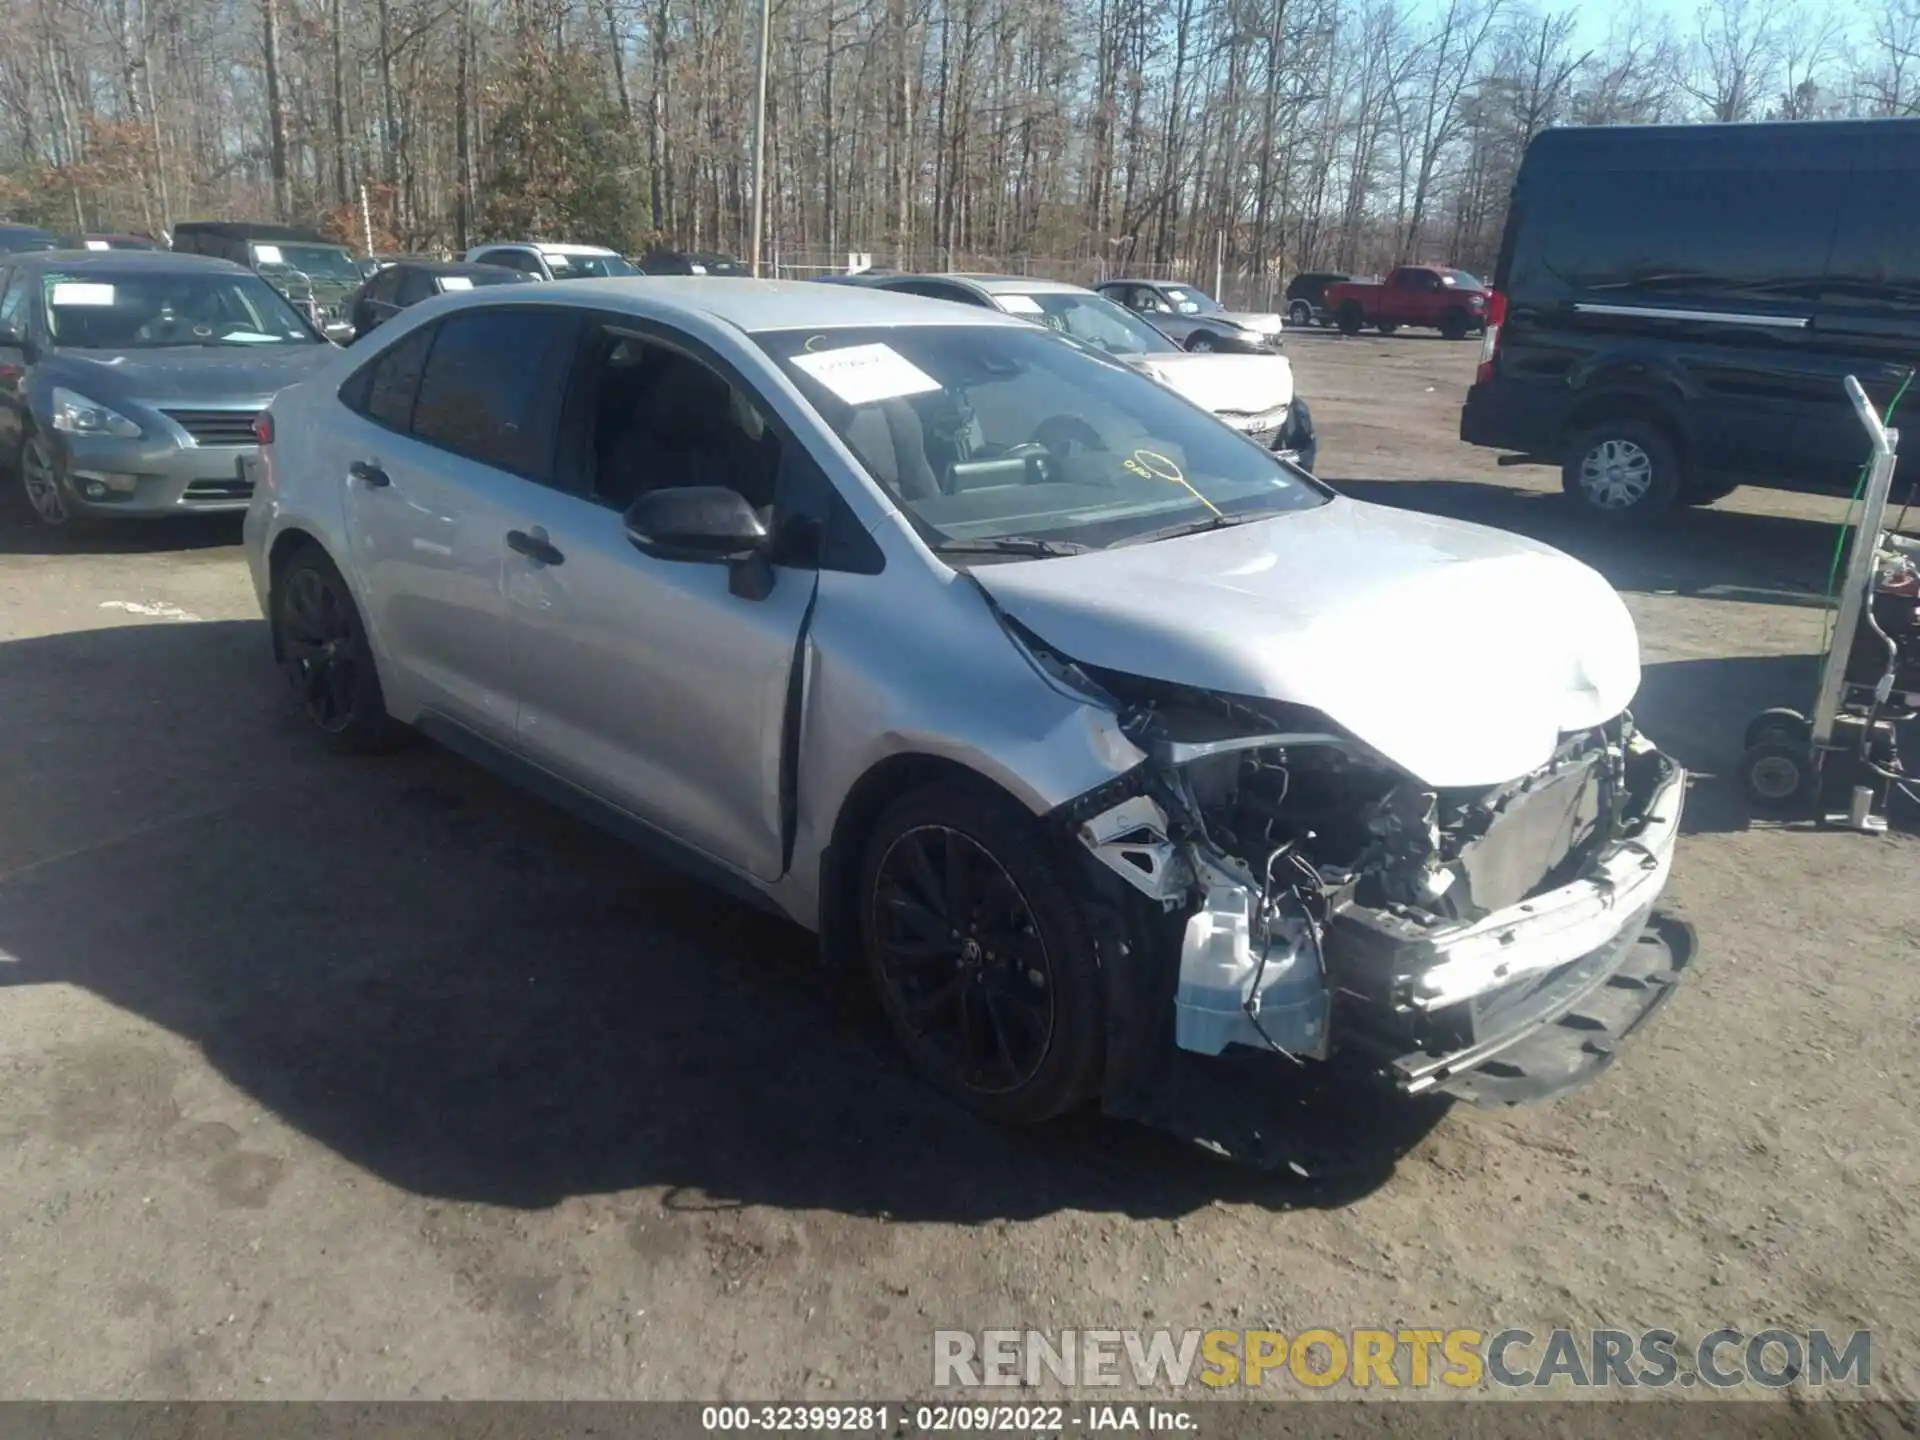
(1012, 545)
(1197, 527)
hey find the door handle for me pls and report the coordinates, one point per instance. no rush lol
(369, 473)
(535, 546)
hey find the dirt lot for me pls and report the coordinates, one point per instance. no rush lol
(360, 1079)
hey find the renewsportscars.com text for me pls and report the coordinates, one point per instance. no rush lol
(1366, 1359)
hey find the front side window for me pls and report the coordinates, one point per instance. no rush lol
(491, 387)
(990, 433)
(137, 310)
(13, 304)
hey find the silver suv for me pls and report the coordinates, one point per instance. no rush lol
(1103, 737)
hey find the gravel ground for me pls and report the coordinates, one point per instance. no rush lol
(377, 1079)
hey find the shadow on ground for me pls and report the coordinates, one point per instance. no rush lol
(21, 534)
(472, 996)
(1708, 553)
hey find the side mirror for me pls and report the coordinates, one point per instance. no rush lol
(707, 523)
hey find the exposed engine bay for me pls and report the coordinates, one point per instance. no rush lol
(1333, 902)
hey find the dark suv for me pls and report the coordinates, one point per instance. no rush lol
(1307, 297)
(1676, 308)
(316, 274)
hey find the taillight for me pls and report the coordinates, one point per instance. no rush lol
(263, 428)
(1490, 343)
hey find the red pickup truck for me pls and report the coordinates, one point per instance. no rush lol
(1450, 301)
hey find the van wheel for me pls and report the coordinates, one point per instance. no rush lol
(1351, 319)
(1454, 325)
(981, 959)
(1622, 471)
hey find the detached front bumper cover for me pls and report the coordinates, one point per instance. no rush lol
(1518, 1005)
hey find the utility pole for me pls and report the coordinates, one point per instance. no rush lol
(760, 140)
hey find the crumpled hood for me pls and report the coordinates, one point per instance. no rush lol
(1226, 384)
(189, 374)
(1459, 652)
(1264, 321)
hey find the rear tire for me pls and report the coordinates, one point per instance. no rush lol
(1352, 319)
(1299, 314)
(980, 956)
(326, 657)
(1624, 472)
(1454, 325)
(1201, 342)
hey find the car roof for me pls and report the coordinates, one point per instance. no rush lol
(156, 262)
(250, 230)
(757, 306)
(1021, 285)
(1850, 145)
(547, 248)
(450, 267)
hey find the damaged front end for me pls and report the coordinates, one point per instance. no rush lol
(1490, 943)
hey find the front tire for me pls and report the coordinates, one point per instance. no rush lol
(1454, 325)
(43, 486)
(1202, 343)
(326, 657)
(980, 956)
(1625, 472)
(1352, 319)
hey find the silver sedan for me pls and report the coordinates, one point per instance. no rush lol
(1103, 740)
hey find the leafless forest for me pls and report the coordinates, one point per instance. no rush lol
(1263, 136)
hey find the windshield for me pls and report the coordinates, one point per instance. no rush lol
(1092, 320)
(320, 262)
(981, 433)
(1190, 302)
(138, 311)
(1460, 279)
(588, 267)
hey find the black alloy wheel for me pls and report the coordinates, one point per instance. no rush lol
(961, 961)
(328, 661)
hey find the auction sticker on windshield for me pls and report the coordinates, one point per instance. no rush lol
(1020, 305)
(267, 254)
(862, 374)
(72, 292)
(456, 282)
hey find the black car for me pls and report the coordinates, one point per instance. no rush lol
(98, 241)
(693, 262)
(17, 239)
(407, 282)
(1307, 296)
(1676, 307)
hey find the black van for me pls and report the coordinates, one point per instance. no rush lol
(1677, 306)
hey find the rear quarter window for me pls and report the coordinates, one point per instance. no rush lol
(386, 387)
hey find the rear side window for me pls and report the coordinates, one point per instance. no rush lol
(385, 388)
(1713, 237)
(415, 286)
(1876, 260)
(492, 386)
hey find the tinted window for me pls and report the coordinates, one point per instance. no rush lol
(13, 305)
(415, 286)
(491, 387)
(1876, 256)
(1668, 236)
(385, 387)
